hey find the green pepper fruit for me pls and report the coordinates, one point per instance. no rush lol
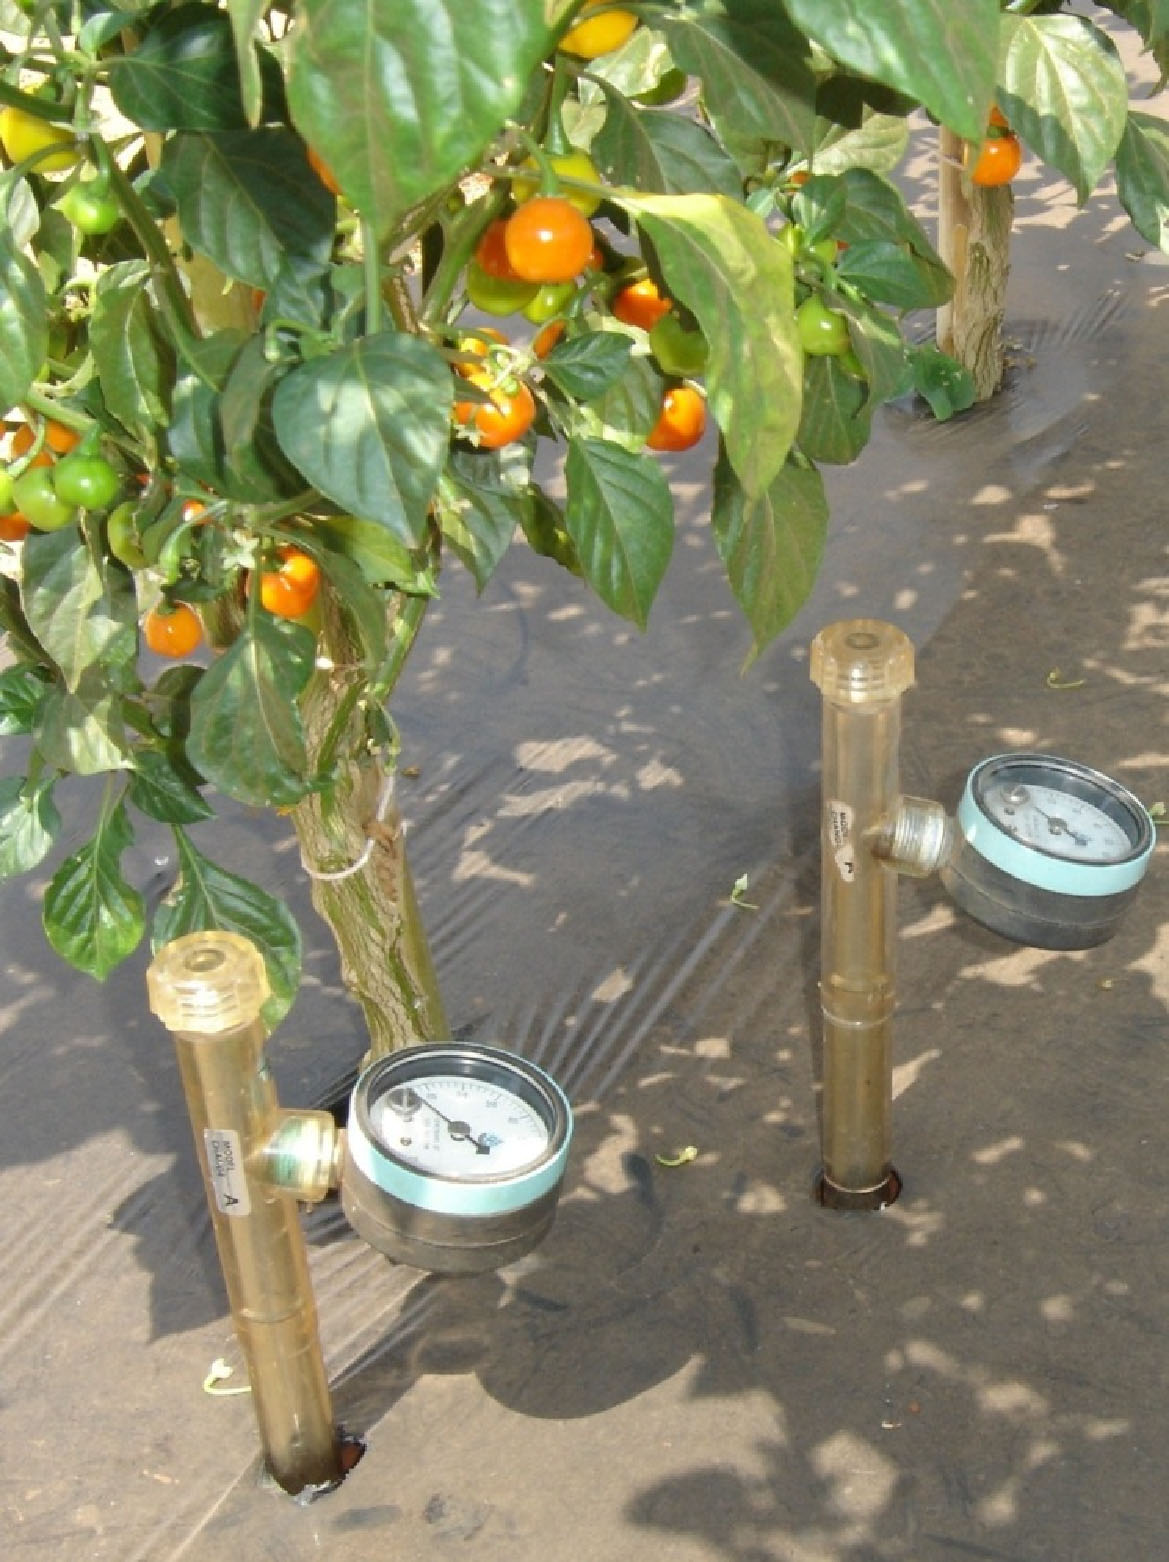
(823, 332)
(122, 537)
(678, 351)
(90, 208)
(550, 300)
(88, 481)
(497, 295)
(36, 499)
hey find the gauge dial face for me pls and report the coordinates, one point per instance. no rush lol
(459, 1126)
(1056, 821)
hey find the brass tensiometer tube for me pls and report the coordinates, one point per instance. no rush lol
(861, 667)
(257, 1161)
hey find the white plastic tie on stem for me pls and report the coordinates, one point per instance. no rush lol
(383, 807)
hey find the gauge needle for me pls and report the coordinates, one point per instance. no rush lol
(458, 1129)
(1059, 826)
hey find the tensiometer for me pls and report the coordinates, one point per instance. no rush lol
(455, 1156)
(1049, 852)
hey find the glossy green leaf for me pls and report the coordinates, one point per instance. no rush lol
(84, 730)
(879, 144)
(134, 363)
(941, 381)
(657, 150)
(771, 544)
(166, 790)
(247, 199)
(245, 21)
(85, 616)
(362, 604)
(587, 366)
(246, 735)
(1062, 87)
(620, 515)
(944, 55)
(23, 691)
(720, 261)
(183, 73)
(378, 554)
(255, 468)
(369, 426)
(478, 526)
(890, 273)
(93, 918)
(207, 898)
(756, 78)
(29, 825)
(1142, 177)
(24, 331)
(400, 96)
(481, 500)
(626, 412)
(836, 421)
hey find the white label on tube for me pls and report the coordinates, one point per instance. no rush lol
(840, 817)
(225, 1165)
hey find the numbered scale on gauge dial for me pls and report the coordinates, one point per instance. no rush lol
(455, 1156)
(1048, 851)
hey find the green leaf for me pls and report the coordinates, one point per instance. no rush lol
(878, 144)
(941, 381)
(247, 199)
(837, 416)
(1142, 177)
(83, 731)
(771, 544)
(29, 824)
(21, 640)
(881, 349)
(943, 55)
(587, 366)
(134, 363)
(479, 510)
(86, 617)
(873, 209)
(23, 691)
(1062, 87)
(891, 273)
(362, 603)
(184, 75)
(246, 735)
(626, 412)
(400, 96)
(653, 149)
(165, 790)
(369, 426)
(620, 515)
(719, 260)
(206, 898)
(255, 468)
(381, 558)
(756, 80)
(93, 918)
(245, 21)
(24, 329)
(543, 524)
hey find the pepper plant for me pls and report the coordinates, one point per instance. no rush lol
(290, 298)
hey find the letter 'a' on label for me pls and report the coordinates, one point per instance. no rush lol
(839, 824)
(225, 1168)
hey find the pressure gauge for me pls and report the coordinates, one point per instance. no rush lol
(455, 1156)
(1048, 851)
